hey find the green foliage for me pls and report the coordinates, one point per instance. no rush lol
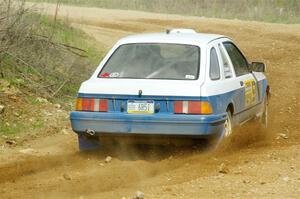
(64, 33)
(47, 57)
(17, 127)
(39, 58)
(17, 82)
(282, 11)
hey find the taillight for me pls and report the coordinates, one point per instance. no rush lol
(88, 104)
(91, 104)
(103, 105)
(79, 104)
(192, 107)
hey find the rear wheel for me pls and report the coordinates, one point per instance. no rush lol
(228, 125)
(264, 116)
(225, 135)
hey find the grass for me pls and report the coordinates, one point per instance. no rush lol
(277, 11)
(37, 67)
(51, 64)
(66, 34)
(11, 129)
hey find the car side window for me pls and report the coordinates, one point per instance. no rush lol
(214, 70)
(226, 66)
(239, 62)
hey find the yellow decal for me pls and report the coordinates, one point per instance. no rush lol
(250, 92)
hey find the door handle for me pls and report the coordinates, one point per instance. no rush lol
(241, 83)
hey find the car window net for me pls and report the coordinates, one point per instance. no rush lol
(153, 61)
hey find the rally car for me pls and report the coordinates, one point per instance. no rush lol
(179, 83)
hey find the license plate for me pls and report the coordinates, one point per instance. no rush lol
(140, 107)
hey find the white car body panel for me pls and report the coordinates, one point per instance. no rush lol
(149, 87)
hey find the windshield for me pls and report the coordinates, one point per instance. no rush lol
(153, 61)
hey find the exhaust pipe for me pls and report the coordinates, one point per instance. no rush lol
(90, 132)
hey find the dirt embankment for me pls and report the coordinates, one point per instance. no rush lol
(257, 164)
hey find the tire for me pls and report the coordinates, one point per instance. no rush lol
(88, 143)
(228, 126)
(264, 116)
(223, 137)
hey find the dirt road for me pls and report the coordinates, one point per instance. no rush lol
(257, 164)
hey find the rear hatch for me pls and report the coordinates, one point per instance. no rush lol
(147, 78)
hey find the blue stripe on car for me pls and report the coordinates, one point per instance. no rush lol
(165, 121)
(167, 124)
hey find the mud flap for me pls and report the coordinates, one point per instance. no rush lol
(221, 138)
(215, 141)
(88, 143)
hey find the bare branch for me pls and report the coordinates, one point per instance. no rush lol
(59, 88)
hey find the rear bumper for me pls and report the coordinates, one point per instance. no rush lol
(157, 124)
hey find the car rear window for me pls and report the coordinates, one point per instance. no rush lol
(153, 61)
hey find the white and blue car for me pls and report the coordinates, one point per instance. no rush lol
(178, 83)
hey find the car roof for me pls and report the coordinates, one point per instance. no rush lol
(182, 36)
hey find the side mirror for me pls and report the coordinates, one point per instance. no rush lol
(257, 67)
